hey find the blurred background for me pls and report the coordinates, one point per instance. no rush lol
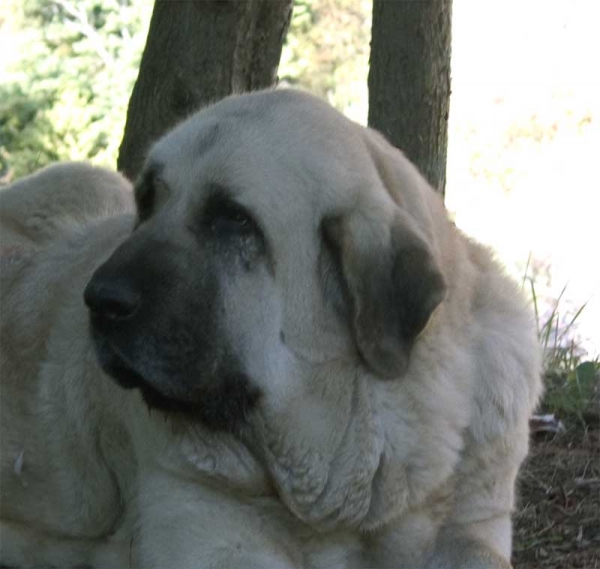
(524, 121)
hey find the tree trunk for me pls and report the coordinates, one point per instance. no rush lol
(198, 52)
(409, 80)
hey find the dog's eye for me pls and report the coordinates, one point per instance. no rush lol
(225, 217)
(149, 192)
(145, 193)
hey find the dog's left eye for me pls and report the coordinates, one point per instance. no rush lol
(225, 217)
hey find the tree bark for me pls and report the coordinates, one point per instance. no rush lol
(409, 80)
(198, 52)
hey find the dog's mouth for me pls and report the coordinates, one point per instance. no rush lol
(221, 403)
(119, 368)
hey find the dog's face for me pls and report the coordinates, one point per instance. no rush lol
(273, 267)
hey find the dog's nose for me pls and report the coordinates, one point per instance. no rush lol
(111, 299)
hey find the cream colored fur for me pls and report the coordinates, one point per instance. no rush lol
(340, 465)
(85, 193)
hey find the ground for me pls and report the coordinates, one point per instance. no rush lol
(557, 524)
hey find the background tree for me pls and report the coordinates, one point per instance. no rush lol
(197, 53)
(327, 52)
(71, 67)
(68, 67)
(409, 80)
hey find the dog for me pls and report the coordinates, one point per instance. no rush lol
(32, 217)
(283, 355)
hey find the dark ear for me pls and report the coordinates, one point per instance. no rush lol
(394, 284)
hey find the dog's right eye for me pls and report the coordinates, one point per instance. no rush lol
(146, 192)
(144, 196)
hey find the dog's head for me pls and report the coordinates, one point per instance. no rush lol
(283, 261)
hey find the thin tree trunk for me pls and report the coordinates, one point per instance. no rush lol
(409, 80)
(198, 52)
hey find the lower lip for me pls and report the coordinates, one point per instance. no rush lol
(113, 364)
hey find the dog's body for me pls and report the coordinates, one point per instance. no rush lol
(336, 376)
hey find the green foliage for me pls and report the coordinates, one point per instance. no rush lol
(575, 393)
(572, 381)
(66, 94)
(24, 129)
(327, 52)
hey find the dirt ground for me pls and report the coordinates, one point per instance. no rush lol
(557, 525)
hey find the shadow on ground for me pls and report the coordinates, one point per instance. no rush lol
(557, 524)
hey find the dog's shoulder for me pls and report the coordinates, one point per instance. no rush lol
(41, 207)
(505, 348)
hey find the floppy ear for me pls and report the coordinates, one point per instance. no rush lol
(393, 281)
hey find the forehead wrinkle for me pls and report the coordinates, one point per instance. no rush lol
(206, 138)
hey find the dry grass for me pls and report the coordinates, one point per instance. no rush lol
(557, 525)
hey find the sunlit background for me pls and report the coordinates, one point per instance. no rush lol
(524, 122)
(524, 148)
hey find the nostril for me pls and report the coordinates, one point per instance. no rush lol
(115, 300)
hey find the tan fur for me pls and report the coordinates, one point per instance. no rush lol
(372, 445)
(85, 193)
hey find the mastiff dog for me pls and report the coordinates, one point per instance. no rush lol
(276, 351)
